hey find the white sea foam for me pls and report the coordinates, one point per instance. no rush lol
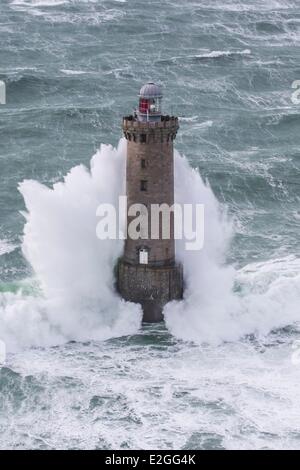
(74, 268)
(47, 9)
(6, 247)
(188, 118)
(238, 6)
(216, 54)
(206, 54)
(212, 311)
(39, 3)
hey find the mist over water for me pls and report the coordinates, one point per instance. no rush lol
(81, 370)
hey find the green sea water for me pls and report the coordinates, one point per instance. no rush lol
(72, 69)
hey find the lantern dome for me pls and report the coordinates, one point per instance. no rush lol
(150, 90)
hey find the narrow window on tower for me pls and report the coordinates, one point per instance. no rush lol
(144, 185)
(143, 138)
(143, 163)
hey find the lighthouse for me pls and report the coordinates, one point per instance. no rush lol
(148, 273)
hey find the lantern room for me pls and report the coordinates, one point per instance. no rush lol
(150, 98)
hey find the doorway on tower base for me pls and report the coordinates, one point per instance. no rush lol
(143, 256)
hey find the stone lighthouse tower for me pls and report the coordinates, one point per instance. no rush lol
(148, 273)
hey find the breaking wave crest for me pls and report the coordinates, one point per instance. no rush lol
(218, 54)
(74, 268)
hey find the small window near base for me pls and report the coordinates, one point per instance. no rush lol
(143, 256)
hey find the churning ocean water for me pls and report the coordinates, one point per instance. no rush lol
(81, 371)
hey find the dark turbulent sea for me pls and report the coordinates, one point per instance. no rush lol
(81, 371)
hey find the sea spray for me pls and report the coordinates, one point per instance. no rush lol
(201, 316)
(270, 295)
(222, 303)
(74, 268)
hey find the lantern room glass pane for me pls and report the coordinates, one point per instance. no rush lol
(144, 105)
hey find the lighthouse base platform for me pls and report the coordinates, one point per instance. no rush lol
(151, 286)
